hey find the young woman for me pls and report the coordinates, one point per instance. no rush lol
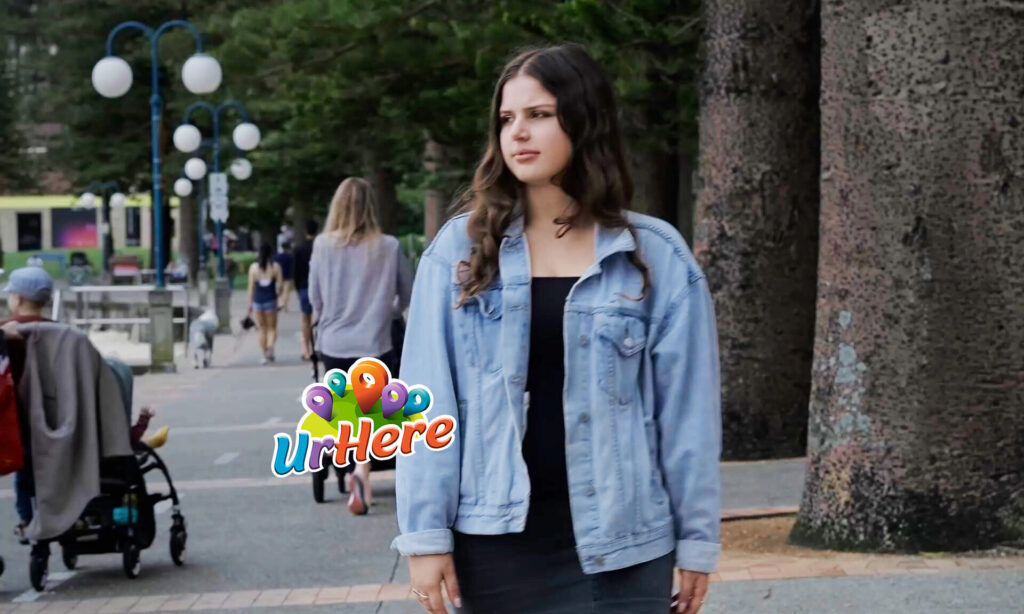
(359, 281)
(574, 343)
(265, 283)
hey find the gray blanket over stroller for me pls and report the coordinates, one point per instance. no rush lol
(76, 416)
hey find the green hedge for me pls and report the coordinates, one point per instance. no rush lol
(16, 260)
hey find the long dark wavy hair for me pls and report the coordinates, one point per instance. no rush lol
(596, 178)
(266, 257)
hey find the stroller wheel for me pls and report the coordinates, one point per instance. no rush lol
(132, 561)
(37, 572)
(178, 538)
(70, 558)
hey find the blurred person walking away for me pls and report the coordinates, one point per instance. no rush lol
(301, 255)
(359, 280)
(265, 281)
(28, 291)
(285, 260)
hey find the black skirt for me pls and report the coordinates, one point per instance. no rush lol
(538, 572)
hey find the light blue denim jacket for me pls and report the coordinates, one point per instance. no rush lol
(641, 401)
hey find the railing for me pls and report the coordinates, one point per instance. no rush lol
(80, 292)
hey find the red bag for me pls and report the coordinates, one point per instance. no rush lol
(12, 455)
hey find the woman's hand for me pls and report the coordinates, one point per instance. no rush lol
(426, 574)
(11, 330)
(693, 590)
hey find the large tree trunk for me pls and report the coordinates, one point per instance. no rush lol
(383, 180)
(757, 215)
(656, 184)
(188, 211)
(685, 193)
(434, 213)
(916, 432)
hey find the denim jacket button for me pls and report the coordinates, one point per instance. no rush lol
(628, 342)
(623, 401)
(599, 560)
(584, 418)
(583, 340)
(590, 491)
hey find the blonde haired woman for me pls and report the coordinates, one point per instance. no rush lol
(359, 281)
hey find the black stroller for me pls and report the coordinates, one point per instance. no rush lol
(122, 518)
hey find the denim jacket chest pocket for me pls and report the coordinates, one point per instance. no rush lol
(479, 324)
(623, 338)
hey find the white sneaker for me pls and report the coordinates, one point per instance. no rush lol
(264, 360)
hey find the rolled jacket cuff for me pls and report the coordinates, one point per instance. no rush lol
(434, 541)
(693, 555)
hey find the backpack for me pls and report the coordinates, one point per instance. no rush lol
(12, 455)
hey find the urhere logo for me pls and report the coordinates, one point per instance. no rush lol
(374, 416)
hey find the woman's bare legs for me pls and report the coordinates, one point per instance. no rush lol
(271, 333)
(261, 322)
(361, 497)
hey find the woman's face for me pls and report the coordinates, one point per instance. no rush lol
(533, 144)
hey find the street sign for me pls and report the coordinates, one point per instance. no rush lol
(219, 197)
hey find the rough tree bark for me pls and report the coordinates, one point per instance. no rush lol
(188, 242)
(757, 215)
(916, 437)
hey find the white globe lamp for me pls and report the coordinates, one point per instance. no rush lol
(182, 187)
(117, 200)
(87, 200)
(246, 136)
(195, 169)
(112, 77)
(201, 74)
(187, 138)
(241, 169)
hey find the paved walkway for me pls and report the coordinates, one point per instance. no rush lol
(735, 567)
(222, 420)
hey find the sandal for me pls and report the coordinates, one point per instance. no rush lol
(357, 498)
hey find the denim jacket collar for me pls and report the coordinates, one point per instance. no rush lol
(607, 241)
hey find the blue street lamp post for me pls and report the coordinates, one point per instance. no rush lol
(112, 77)
(246, 137)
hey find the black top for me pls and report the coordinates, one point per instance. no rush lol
(549, 518)
(302, 254)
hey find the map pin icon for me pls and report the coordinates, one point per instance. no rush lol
(393, 398)
(336, 380)
(369, 377)
(319, 401)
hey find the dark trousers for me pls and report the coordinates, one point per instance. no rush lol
(505, 574)
(390, 358)
(24, 490)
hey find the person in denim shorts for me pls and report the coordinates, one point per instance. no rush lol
(265, 282)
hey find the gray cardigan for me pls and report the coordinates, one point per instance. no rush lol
(76, 416)
(356, 290)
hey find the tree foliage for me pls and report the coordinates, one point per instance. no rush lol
(345, 87)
